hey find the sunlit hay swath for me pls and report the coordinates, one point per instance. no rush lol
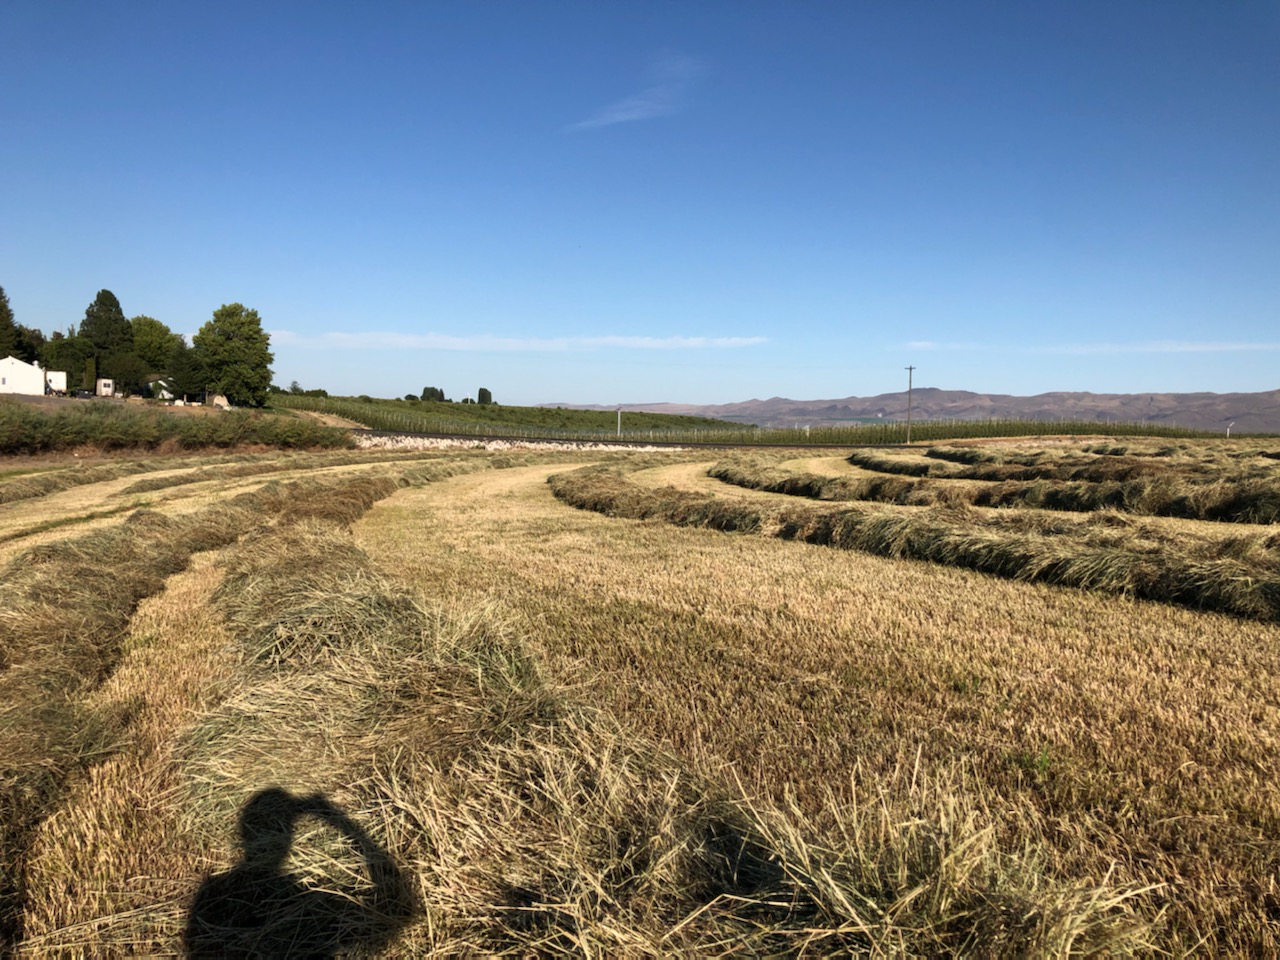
(215, 469)
(29, 488)
(583, 841)
(607, 490)
(521, 822)
(1068, 483)
(64, 609)
(110, 869)
(956, 537)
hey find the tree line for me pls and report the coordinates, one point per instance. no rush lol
(230, 355)
(484, 397)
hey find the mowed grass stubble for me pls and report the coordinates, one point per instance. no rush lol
(1140, 736)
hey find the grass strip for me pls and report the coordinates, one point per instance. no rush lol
(25, 429)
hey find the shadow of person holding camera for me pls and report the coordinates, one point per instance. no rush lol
(257, 909)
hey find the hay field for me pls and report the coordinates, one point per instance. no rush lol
(595, 703)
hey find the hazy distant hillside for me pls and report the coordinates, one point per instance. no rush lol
(1251, 412)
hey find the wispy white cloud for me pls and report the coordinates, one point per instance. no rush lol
(489, 344)
(669, 76)
(1106, 349)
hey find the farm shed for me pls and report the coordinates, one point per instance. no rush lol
(19, 377)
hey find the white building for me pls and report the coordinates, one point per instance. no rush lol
(106, 387)
(19, 377)
(57, 380)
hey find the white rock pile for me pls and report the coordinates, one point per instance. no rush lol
(401, 442)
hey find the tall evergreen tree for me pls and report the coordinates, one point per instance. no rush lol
(30, 343)
(8, 329)
(106, 325)
(186, 374)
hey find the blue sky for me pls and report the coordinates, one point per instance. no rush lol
(704, 202)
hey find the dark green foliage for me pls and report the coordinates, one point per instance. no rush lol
(8, 329)
(106, 326)
(236, 353)
(484, 397)
(186, 373)
(295, 389)
(433, 393)
(25, 343)
(126, 369)
(30, 343)
(153, 343)
(68, 354)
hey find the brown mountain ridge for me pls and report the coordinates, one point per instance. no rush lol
(1249, 412)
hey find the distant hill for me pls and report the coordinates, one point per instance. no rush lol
(1251, 412)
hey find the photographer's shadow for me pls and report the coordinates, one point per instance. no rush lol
(256, 909)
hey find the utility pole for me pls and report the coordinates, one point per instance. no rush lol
(910, 373)
(619, 419)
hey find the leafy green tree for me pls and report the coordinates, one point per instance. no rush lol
(30, 343)
(433, 393)
(68, 354)
(186, 372)
(153, 342)
(105, 324)
(8, 329)
(236, 353)
(127, 370)
(484, 397)
(90, 374)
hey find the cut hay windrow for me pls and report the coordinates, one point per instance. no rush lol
(1141, 489)
(212, 469)
(55, 481)
(64, 609)
(1119, 564)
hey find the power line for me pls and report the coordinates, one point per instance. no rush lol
(910, 373)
